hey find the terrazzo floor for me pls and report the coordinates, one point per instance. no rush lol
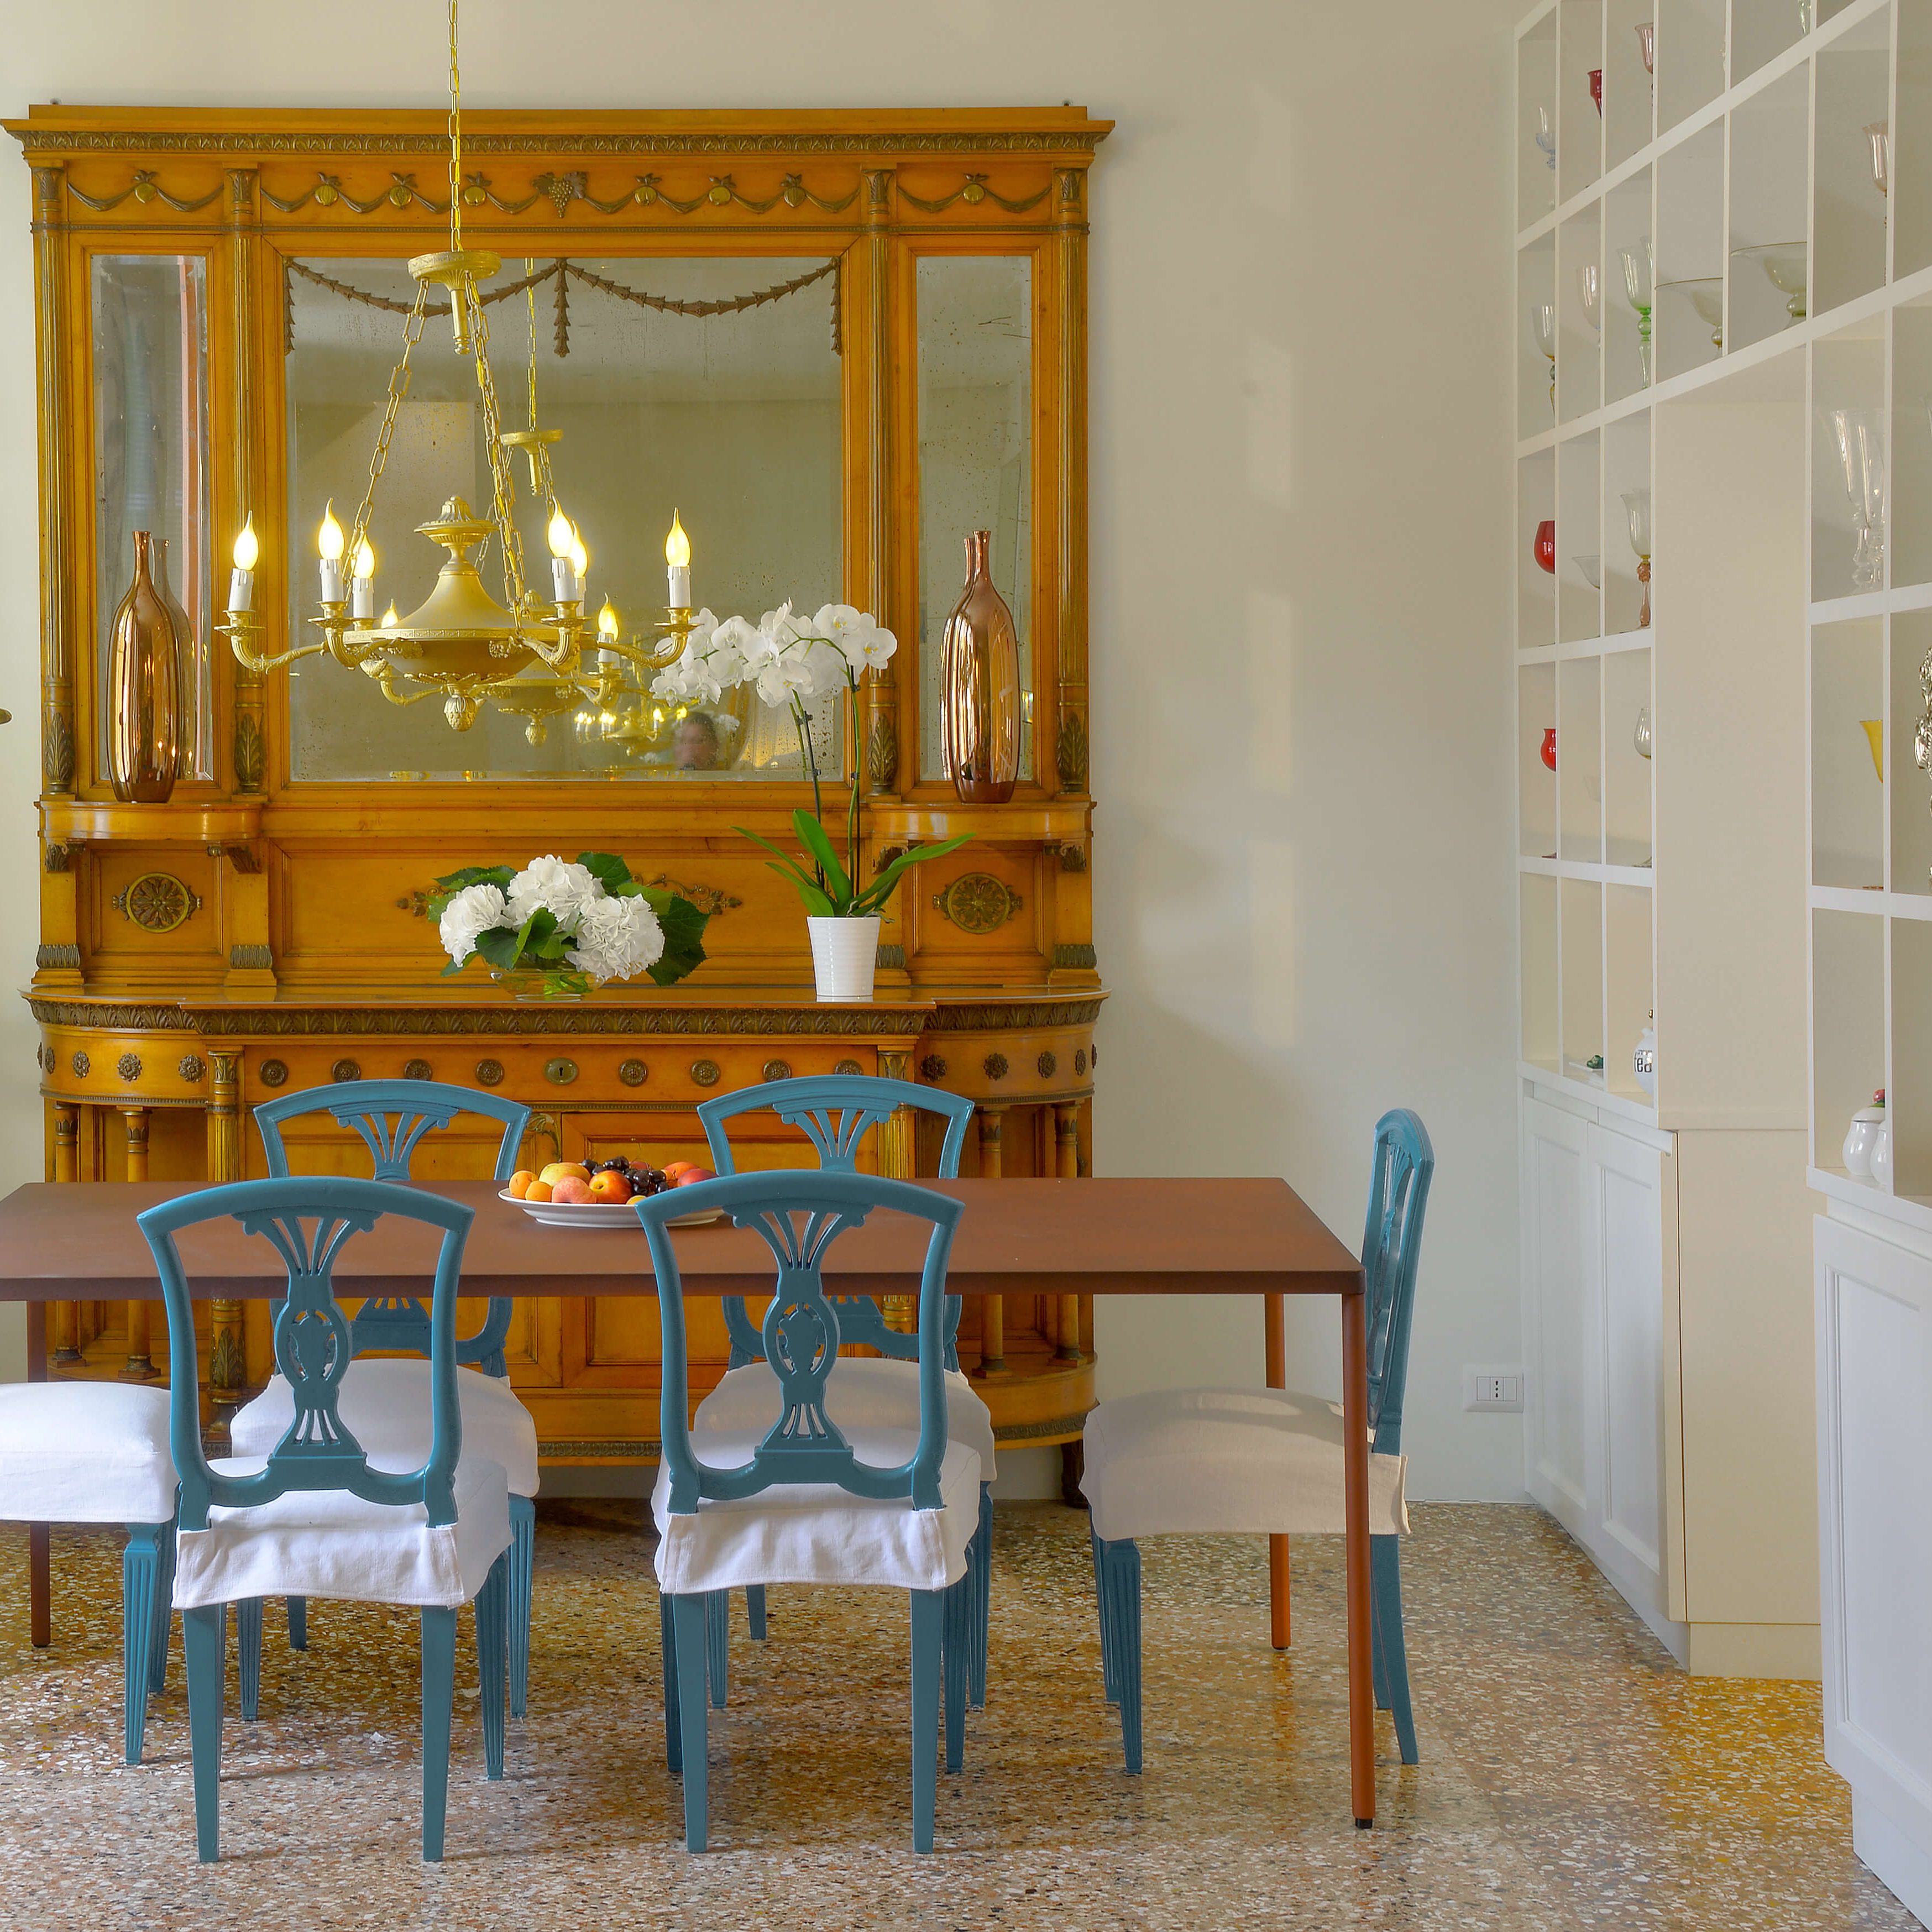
(1572, 1776)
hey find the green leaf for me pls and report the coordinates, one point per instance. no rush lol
(446, 889)
(498, 946)
(610, 871)
(816, 903)
(799, 877)
(811, 836)
(683, 926)
(880, 889)
(455, 966)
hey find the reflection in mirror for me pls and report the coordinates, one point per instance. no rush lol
(150, 325)
(673, 392)
(975, 458)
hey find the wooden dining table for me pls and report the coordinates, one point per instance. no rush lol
(1168, 1235)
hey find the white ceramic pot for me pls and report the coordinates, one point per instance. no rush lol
(845, 955)
(1881, 1155)
(1643, 1062)
(1860, 1139)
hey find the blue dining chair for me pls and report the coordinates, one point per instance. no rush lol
(1254, 1461)
(382, 1399)
(317, 1516)
(801, 1498)
(835, 1111)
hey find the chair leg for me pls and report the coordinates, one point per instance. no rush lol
(521, 1585)
(493, 1639)
(298, 1623)
(439, 1693)
(1104, 1610)
(718, 1643)
(928, 1616)
(668, 1634)
(982, 1596)
(1120, 1566)
(689, 1617)
(755, 1610)
(248, 1655)
(140, 1566)
(205, 1647)
(1391, 1650)
(164, 1613)
(956, 1665)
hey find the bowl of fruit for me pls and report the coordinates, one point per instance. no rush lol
(599, 1194)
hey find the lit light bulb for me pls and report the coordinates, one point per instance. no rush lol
(607, 622)
(677, 565)
(362, 583)
(559, 533)
(390, 620)
(580, 559)
(328, 541)
(241, 584)
(566, 574)
(365, 559)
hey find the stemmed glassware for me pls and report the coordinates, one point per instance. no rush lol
(1646, 44)
(1546, 137)
(1784, 265)
(1542, 327)
(1636, 507)
(1639, 267)
(1706, 294)
(1590, 292)
(1879, 135)
(1861, 446)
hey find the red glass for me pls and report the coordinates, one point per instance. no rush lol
(1545, 551)
(1549, 746)
(1597, 87)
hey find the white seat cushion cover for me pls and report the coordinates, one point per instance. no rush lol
(816, 1532)
(864, 1392)
(384, 1403)
(85, 1452)
(328, 1543)
(1265, 1461)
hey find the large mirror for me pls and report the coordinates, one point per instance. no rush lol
(708, 387)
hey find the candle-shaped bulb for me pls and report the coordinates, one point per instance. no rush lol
(328, 540)
(365, 559)
(677, 565)
(362, 583)
(580, 559)
(607, 622)
(560, 533)
(390, 620)
(241, 584)
(247, 549)
(677, 545)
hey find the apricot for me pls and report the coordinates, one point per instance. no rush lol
(611, 1185)
(519, 1184)
(570, 1189)
(560, 1170)
(672, 1169)
(537, 1190)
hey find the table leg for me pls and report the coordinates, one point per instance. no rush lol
(1277, 1377)
(990, 1122)
(40, 1568)
(140, 1361)
(227, 1365)
(66, 1167)
(1355, 1469)
(1066, 1150)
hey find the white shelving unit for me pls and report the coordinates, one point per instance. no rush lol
(1723, 1324)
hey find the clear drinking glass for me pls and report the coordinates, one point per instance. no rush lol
(1640, 268)
(1546, 137)
(1861, 446)
(1543, 329)
(1879, 135)
(1646, 43)
(1784, 265)
(1590, 292)
(1706, 294)
(1592, 568)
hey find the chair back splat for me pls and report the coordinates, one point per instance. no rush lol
(392, 1116)
(1391, 1247)
(835, 1111)
(800, 1216)
(309, 1220)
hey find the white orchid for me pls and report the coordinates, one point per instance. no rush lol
(475, 910)
(781, 679)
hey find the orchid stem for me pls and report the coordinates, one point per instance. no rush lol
(811, 765)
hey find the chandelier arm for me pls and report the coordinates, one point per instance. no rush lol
(250, 659)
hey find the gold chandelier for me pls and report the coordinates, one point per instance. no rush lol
(524, 656)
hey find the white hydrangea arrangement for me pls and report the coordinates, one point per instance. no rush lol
(793, 660)
(579, 924)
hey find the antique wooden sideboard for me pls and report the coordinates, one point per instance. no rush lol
(212, 294)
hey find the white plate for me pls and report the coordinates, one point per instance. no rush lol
(600, 1213)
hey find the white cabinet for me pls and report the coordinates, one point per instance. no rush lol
(1599, 1239)
(1874, 1305)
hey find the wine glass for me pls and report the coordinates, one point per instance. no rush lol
(1590, 292)
(1646, 44)
(1640, 738)
(1546, 137)
(1542, 327)
(1879, 135)
(1861, 447)
(1592, 568)
(1636, 507)
(1639, 267)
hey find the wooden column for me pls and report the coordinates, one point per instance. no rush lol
(64, 1317)
(1066, 1164)
(992, 1307)
(140, 1361)
(1277, 1377)
(57, 452)
(227, 1371)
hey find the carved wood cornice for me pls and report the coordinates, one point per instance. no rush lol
(37, 139)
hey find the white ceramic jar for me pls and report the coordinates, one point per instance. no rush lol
(1643, 1061)
(1881, 1155)
(1861, 1137)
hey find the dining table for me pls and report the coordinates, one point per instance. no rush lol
(1171, 1235)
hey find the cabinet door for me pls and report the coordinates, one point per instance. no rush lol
(1874, 1305)
(1625, 1222)
(1557, 1303)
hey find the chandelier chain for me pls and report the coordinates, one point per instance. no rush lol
(399, 388)
(455, 140)
(503, 482)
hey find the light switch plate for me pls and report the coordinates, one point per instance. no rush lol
(1496, 1391)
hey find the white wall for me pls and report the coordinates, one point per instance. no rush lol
(1300, 310)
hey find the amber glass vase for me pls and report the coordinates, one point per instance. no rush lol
(187, 665)
(143, 691)
(979, 686)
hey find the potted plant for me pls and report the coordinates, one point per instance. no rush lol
(555, 930)
(793, 661)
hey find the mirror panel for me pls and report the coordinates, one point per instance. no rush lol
(674, 390)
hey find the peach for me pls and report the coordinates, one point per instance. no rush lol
(537, 1190)
(691, 1175)
(672, 1169)
(560, 1170)
(611, 1185)
(519, 1184)
(570, 1190)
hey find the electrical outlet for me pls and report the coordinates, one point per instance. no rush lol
(1497, 1391)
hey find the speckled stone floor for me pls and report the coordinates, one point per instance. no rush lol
(1572, 1776)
